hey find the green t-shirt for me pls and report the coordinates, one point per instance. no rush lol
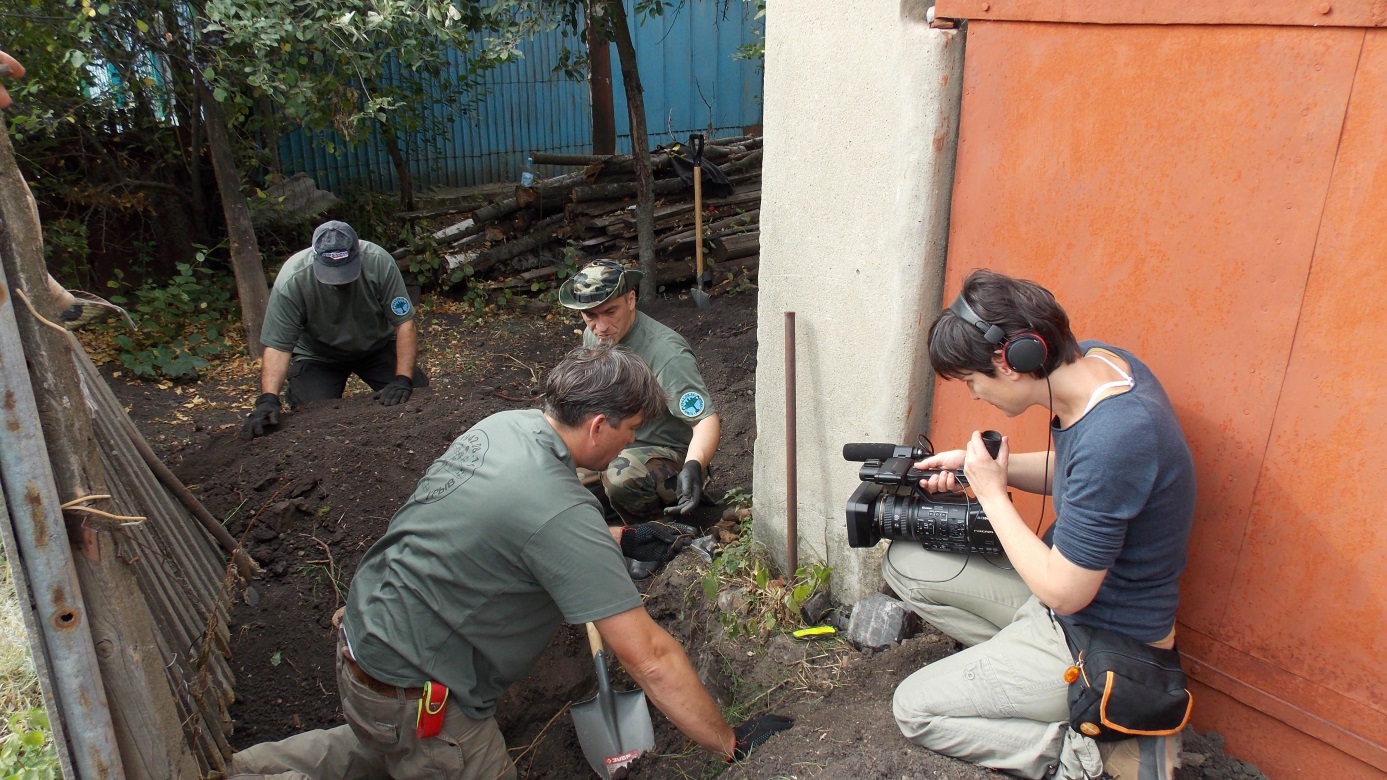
(499, 544)
(321, 322)
(676, 368)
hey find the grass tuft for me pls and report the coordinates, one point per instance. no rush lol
(19, 681)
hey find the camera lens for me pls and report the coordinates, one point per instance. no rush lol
(914, 519)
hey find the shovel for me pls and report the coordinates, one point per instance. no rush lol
(613, 728)
(700, 276)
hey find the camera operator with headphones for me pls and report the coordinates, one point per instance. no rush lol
(1122, 481)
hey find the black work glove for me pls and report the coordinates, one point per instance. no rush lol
(655, 542)
(690, 488)
(397, 392)
(263, 417)
(754, 732)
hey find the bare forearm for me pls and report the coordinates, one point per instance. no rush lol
(274, 367)
(1030, 472)
(406, 348)
(671, 683)
(658, 664)
(704, 444)
(1059, 584)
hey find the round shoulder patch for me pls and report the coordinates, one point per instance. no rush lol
(400, 306)
(691, 404)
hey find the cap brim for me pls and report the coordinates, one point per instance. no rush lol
(337, 274)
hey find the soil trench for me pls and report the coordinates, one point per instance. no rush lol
(314, 495)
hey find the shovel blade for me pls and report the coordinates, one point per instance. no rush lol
(609, 747)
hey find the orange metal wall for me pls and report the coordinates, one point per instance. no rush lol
(1214, 197)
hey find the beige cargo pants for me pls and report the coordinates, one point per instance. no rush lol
(1001, 702)
(378, 743)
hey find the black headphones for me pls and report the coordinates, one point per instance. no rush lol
(1024, 351)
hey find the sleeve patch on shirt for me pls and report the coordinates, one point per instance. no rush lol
(691, 404)
(400, 306)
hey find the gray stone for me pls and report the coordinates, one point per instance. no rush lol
(815, 608)
(879, 621)
(732, 600)
(785, 650)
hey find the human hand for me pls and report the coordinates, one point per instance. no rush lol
(946, 463)
(263, 417)
(396, 392)
(690, 489)
(9, 66)
(755, 731)
(986, 475)
(655, 542)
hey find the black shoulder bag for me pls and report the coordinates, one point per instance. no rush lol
(1121, 688)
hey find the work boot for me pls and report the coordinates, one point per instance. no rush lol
(1141, 758)
(641, 570)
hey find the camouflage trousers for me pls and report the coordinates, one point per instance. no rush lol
(640, 482)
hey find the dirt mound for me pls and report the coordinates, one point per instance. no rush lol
(313, 496)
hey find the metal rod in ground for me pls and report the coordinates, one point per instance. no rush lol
(791, 465)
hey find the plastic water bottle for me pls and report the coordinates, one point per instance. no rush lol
(527, 176)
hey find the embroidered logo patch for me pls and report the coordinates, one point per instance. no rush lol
(691, 404)
(400, 306)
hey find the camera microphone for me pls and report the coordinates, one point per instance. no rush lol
(865, 451)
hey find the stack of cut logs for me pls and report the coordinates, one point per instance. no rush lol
(520, 241)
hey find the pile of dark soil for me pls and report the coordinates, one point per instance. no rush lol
(312, 497)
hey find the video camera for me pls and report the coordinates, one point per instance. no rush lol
(890, 504)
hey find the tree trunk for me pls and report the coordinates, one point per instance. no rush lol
(600, 90)
(640, 146)
(269, 130)
(397, 158)
(246, 263)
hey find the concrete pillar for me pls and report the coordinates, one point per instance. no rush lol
(861, 121)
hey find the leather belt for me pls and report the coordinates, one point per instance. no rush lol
(383, 688)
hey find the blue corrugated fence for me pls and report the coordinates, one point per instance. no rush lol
(691, 80)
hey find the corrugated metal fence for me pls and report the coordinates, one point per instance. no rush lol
(692, 83)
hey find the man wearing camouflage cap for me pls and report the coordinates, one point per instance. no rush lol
(338, 308)
(664, 470)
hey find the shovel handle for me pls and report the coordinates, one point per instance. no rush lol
(594, 639)
(698, 224)
(696, 143)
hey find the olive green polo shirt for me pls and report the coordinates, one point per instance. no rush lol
(676, 368)
(321, 322)
(499, 544)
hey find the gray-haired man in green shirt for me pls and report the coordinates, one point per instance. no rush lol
(338, 308)
(498, 546)
(664, 471)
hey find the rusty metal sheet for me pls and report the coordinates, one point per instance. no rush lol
(1168, 184)
(1298, 13)
(1311, 589)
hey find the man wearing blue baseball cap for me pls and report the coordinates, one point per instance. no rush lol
(338, 308)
